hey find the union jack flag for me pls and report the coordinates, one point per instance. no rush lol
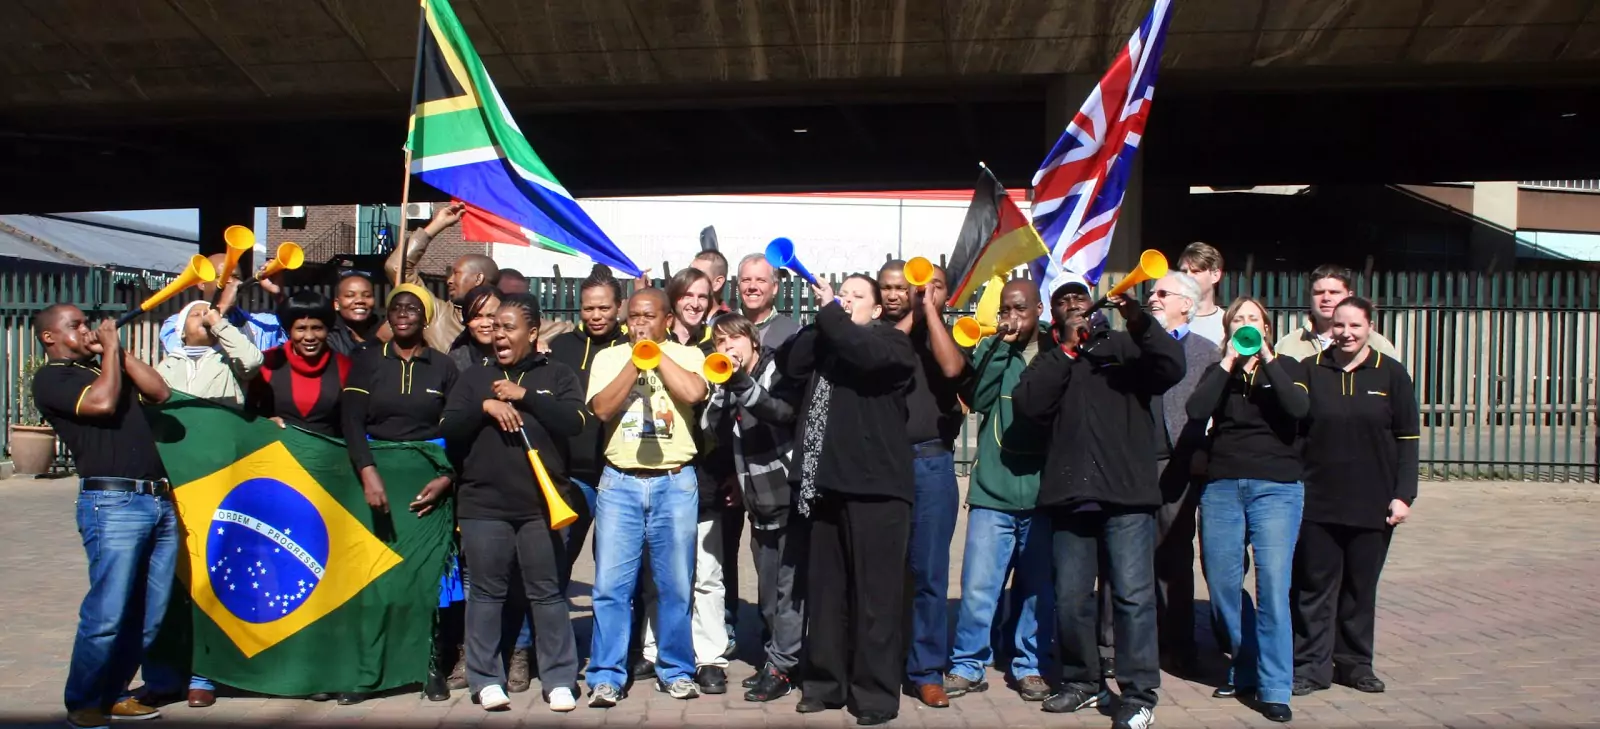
(1077, 192)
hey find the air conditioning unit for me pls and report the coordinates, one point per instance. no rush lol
(419, 211)
(291, 211)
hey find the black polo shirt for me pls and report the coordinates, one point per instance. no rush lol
(933, 405)
(119, 445)
(1361, 441)
(389, 398)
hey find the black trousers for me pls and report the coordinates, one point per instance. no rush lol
(855, 602)
(500, 550)
(1334, 599)
(1175, 532)
(733, 519)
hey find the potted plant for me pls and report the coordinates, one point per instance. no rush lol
(33, 442)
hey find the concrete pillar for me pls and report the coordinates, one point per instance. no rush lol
(1492, 244)
(215, 217)
(1064, 95)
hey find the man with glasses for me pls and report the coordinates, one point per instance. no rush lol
(1173, 303)
(1204, 263)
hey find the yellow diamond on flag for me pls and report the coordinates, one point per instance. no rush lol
(270, 551)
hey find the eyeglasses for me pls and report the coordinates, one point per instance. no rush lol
(1163, 293)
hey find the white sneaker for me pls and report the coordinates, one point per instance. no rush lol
(562, 700)
(604, 696)
(493, 698)
(682, 688)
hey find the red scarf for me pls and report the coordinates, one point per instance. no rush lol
(305, 375)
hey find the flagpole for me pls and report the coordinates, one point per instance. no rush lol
(405, 183)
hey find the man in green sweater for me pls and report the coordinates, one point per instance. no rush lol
(1002, 527)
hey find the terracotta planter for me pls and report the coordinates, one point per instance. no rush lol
(33, 448)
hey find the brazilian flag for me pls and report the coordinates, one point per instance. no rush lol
(294, 584)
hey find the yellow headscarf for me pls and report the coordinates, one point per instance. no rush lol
(421, 293)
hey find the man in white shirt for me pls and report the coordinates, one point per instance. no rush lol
(1204, 263)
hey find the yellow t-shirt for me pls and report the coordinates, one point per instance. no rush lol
(653, 430)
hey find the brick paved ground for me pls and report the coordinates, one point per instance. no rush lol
(1489, 616)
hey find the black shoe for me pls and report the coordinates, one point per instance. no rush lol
(320, 696)
(712, 680)
(753, 680)
(1369, 685)
(812, 706)
(434, 689)
(1131, 716)
(351, 698)
(1277, 712)
(772, 684)
(1108, 667)
(874, 718)
(1070, 700)
(1225, 691)
(642, 670)
(1304, 686)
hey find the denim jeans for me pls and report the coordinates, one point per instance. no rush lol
(933, 525)
(1129, 536)
(998, 543)
(1266, 516)
(132, 544)
(630, 513)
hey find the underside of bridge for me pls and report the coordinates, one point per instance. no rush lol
(183, 103)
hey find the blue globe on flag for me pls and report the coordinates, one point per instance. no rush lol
(266, 550)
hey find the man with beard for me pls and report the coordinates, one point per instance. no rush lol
(124, 508)
(360, 324)
(933, 410)
(470, 270)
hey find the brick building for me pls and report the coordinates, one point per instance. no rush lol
(328, 231)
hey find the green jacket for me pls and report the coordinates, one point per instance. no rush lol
(1010, 453)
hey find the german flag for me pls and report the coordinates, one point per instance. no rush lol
(995, 238)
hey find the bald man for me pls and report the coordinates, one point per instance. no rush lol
(470, 270)
(1004, 531)
(90, 392)
(648, 500)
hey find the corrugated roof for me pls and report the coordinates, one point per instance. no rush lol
(95, 245)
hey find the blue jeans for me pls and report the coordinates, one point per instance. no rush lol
(1129, 536)
(1266, 516)
(933, 525)
(573, 535)
(132, 544)
(631, 512)
(1001, 542)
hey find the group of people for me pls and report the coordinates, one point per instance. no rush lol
(1100, 453)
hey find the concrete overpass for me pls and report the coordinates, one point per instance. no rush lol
(230, 103)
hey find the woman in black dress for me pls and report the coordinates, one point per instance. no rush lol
(1360, 480)
(396, 392)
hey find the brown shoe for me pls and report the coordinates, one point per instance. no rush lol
(201, 698)
(517, 679)
(1033, 688)
(130, 709)
(87, 719)
(458, 674)
(933, 695)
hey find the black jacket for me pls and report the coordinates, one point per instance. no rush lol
(752, 419)
(863, 448)
(495, 479)
(576, 350)
(1096, 402)
(1255, 419)
(1361, 441)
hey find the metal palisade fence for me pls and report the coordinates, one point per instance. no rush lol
(1505, 365)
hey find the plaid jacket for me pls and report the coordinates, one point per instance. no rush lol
(762, 412)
